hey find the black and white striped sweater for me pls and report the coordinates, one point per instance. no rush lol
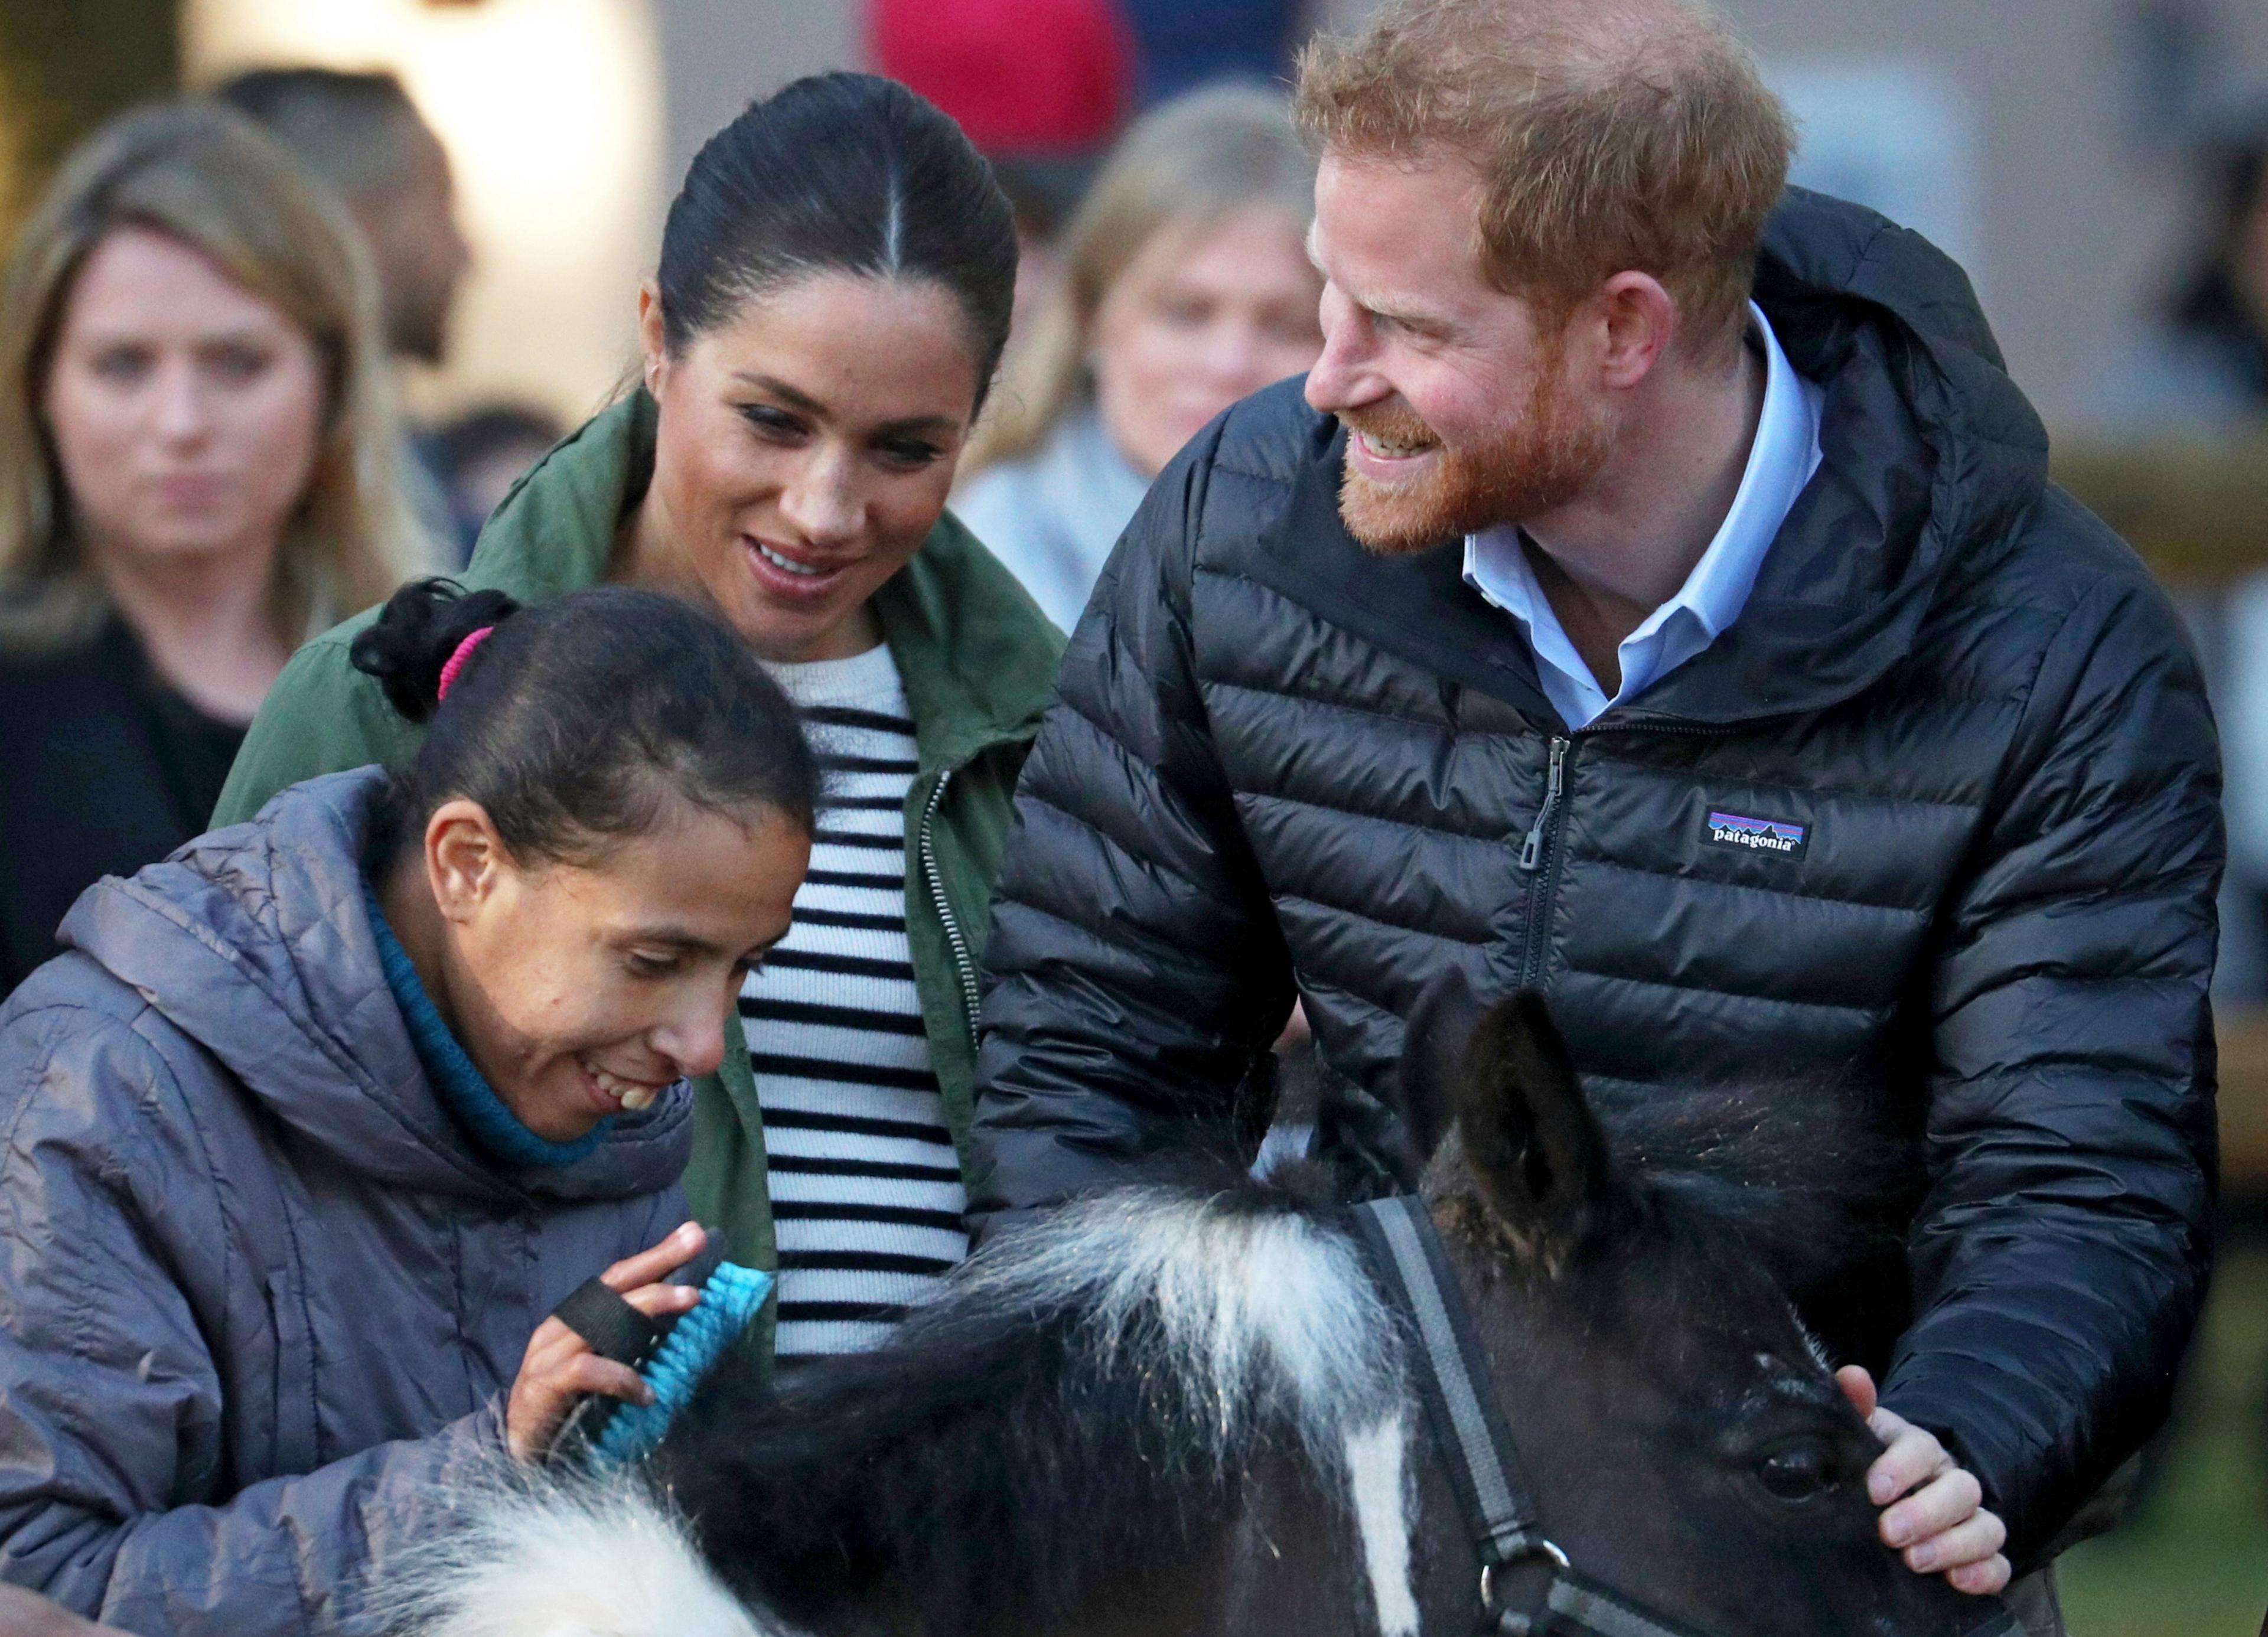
(866, 1185)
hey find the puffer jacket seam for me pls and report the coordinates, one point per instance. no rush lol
(1594, 755)
(1568, 969)
(1359, 712)
(2094, 1059)
(1602, 860)
(2109, 895)
(110, 1023)
(233, 1228)
(297, 1253)
(1478, 838)
(1497, 838)
(77, 1317)
(1039, 799)
(1386, 617)
(35, 1063)
(1286, 897)
(2011, 773)
(1276, 479)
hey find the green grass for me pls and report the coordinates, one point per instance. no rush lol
(2193, 1560)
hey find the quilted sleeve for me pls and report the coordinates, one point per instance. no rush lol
(1135, 972)
(2061, 1253)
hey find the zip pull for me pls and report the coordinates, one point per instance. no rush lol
(1531, 850)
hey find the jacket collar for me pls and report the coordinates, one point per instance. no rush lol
(976, 656)
(1929, 453)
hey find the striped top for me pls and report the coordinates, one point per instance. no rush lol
(866, 1185)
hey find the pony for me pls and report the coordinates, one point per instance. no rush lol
(1182, 1408)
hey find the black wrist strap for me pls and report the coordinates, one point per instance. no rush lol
(614, 1329)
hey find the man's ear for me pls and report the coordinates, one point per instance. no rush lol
(1637, 319)
(465, 857)
(1538, 1156)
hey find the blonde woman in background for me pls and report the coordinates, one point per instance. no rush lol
(1186, 286)
(196, 472)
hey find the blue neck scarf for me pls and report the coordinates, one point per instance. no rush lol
(463, 1089)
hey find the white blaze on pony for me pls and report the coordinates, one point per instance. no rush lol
(1377, 1462)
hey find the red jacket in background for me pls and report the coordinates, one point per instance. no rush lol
(1022, 76)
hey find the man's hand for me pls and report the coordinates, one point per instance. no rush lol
(1940, 1526)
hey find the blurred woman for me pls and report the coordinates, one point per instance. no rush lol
(831, 300)
(195, 471)
(313, 1124)
(2200, 367)
(1186, 286)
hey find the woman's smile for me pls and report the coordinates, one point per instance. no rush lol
(785, 572)
(612, 1093)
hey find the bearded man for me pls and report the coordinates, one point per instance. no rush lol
(1655, 596)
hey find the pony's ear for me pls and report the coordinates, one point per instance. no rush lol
(1435, 1043)
(1538, 1155)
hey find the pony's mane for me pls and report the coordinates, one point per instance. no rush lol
(1810, 1177)
(1088, 1394)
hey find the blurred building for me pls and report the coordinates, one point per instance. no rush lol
(551, 111)
(2040, 139)
(54, 89)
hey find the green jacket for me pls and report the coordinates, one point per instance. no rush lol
(978, 660)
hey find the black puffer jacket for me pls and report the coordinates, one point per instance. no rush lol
(1976, 718)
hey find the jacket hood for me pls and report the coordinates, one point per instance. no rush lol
(1929, 454)
(978, 657)
(255, 942)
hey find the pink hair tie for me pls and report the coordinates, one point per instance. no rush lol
(457, 661)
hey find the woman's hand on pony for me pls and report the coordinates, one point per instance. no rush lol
(1937, 1522)
(559, 1366)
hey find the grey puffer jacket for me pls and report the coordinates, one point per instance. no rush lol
(1988, 901)
(260, 1301)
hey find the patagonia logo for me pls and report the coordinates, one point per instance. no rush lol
(1757, 835)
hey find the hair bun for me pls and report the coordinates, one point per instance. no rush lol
(416, 633)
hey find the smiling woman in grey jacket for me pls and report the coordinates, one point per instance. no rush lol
(312, 1125)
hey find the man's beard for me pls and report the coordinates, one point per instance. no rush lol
(1542, 460)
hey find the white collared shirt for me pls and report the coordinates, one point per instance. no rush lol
(1781, 460)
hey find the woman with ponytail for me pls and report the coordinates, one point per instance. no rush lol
(311, 1125)
(831, 300)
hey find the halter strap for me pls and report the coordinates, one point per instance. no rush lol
(1413, 1272)
(1406, 1254)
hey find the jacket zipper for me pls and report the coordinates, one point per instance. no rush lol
(1535, 853)
(1531, 850)
(1539, 851)
(965, 967)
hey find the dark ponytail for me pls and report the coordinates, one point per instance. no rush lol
(578, 720)
(839, 174)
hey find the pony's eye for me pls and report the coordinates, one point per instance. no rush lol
(1798, 1471)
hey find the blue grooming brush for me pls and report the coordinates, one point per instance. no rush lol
(671, 1354)
(731, 1298)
